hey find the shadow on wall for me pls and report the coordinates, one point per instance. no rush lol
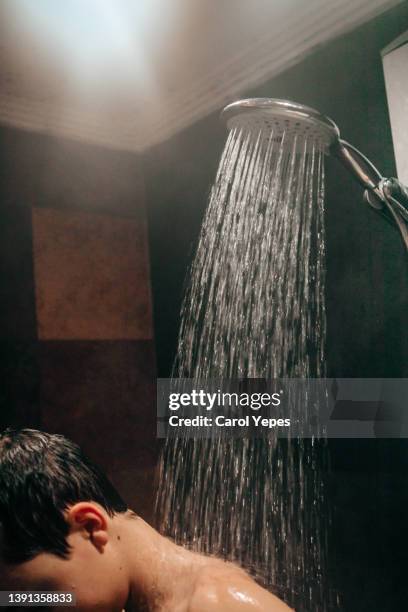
(76, 339)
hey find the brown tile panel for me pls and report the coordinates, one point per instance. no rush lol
(91, 276)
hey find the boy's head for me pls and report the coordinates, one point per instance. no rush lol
(56, 521)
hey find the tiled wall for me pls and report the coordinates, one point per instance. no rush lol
(76, 338)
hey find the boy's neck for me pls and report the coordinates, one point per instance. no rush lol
(158, 569)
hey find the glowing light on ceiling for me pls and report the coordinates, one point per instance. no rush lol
(94, 36)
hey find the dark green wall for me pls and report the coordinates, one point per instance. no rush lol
(367, 291)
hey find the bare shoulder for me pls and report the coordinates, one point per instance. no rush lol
(222, 587)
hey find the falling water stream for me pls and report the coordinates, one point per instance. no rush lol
(255, 308)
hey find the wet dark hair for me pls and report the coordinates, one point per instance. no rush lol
(41, 474)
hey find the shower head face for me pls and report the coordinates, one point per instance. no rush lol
(283, 121)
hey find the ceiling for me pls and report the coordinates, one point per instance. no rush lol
(130, 73)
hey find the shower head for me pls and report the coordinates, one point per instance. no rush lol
(281, 119)
(291, 124)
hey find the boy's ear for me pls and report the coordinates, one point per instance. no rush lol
(91, 520)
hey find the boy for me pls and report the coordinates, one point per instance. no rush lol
(65, 528)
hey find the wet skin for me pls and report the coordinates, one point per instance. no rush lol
(120, 563)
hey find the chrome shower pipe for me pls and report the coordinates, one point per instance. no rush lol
(387, 196)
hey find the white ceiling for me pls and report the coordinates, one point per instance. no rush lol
(130, 73)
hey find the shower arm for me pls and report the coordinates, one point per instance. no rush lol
(388, 196)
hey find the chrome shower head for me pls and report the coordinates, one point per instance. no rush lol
(284, 121)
